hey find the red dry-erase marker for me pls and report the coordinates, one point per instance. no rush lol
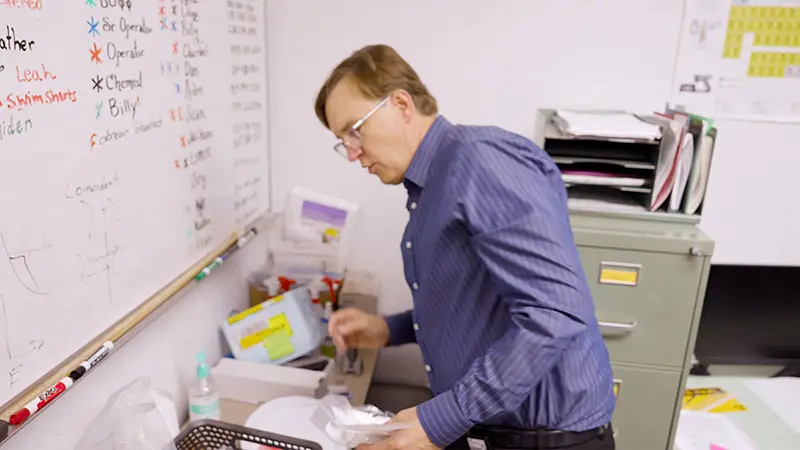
(37, 404)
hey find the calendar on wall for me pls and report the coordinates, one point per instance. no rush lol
(740, 59)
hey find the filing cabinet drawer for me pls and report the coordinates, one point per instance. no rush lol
(645, 406)
(644, 302)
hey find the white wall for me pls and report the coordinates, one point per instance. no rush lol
(485, 64)
(752, 210)
(164, 351)
(495, 63)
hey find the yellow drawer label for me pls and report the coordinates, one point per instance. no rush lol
(627, 275)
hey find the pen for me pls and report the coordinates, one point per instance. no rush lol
(92, 361)
(40, 401)
(207, 269)
(241, 242)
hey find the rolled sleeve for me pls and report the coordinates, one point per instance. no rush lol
(401, 328)
(442, 419)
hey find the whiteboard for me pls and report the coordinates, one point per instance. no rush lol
(133, 141)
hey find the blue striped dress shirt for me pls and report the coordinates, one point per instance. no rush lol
(502, 310)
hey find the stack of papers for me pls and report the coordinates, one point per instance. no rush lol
(782, 394)
(708, 431)
(620, 125)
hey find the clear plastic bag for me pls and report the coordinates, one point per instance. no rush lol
(130, 420)
(352, 426)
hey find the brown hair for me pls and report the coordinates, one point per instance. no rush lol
(377, 70)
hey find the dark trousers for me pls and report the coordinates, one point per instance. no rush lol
(603, 441)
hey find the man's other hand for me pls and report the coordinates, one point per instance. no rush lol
(352, 328)
(410, 438)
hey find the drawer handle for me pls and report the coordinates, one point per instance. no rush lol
(622, 328)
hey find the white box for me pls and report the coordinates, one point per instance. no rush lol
(253, 382)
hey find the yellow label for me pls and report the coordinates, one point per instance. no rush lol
(617, 387)
(278, 344)
(255, 338)
(730, 405)
(619, 275)
(237, 317)
(710, 400)
(332, 232)
(276, 324)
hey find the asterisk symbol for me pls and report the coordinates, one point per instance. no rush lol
(93, 27)
(177, 87)
(164, 23)
(175, 48)
(96, 54)
(97, 80)
(174, 26)
(90, 3)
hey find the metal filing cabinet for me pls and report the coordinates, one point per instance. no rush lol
(648, 279)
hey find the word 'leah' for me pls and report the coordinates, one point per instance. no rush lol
(38, 74)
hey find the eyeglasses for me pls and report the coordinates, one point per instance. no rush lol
(352, 137)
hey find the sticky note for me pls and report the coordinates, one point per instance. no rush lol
(280, 322)
(716, 447)
(278, 344)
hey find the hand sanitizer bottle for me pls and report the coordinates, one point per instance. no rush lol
(203, 395)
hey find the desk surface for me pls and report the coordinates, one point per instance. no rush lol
(765, 428)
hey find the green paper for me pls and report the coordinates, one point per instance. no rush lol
(278, 344)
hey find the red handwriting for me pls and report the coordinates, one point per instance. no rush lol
(31, 75)
(35, 5)
(49, 97)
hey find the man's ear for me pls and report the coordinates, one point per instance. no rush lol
(404, 103)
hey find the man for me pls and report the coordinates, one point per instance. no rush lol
(502, 310)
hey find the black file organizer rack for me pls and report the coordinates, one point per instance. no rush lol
(626, 157)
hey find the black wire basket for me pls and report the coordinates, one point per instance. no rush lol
(210, 434)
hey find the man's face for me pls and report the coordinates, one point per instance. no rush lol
(382, 147)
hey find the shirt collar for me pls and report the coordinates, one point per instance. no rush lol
(419, 167)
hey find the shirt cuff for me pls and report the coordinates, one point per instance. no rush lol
(401, 329)
(442, 419)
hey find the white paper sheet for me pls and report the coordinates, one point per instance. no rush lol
(782, 394)
(709, 431)
(605, 124)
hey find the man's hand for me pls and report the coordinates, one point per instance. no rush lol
(413, 437)
(352, 328)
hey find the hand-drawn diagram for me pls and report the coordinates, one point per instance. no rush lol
(18, 259)
(102, 259)
(11, 358)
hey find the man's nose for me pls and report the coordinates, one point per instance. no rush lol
(354, 153)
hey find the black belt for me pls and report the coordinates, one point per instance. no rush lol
(501, 437)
